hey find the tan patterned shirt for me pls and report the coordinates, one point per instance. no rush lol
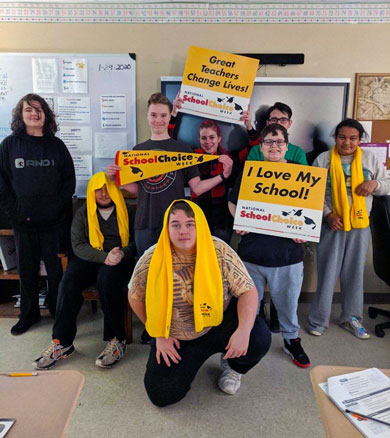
(235, 277)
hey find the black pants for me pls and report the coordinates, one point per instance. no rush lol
(31, 246)
(167, 385)
(111, 282)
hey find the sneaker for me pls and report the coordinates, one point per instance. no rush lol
(273, 319)
(145, 337)
(315, 332)
(295, 350)
(229, 380)
(354, 326)
(112, 354)
(53, 353)
(22, 326)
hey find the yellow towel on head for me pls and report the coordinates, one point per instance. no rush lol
(355, 216)
(96, 237)
(207, 288)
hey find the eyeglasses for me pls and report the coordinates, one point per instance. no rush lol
(282, 120)
(271, 142)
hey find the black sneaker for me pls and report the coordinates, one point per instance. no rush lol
(145, 338)
(22, 326)
(295, 350)
(273, 319)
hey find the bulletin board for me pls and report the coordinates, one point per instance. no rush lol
(92, 95)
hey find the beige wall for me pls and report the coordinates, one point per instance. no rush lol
(331, 50)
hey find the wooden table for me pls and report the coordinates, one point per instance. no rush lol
(42, 405)
(335, 423)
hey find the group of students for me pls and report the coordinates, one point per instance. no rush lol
(194, 294)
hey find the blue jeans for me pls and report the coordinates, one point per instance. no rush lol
(285, 284)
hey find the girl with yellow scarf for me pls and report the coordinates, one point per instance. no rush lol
(196, 299)
(354, 176)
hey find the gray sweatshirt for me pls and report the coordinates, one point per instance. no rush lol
(372, 170)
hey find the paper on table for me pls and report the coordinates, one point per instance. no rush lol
(366, 392)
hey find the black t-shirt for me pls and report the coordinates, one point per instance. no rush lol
(156, 194)
(263, 249)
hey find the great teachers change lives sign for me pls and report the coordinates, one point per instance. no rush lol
(216, 84)
(281, 199)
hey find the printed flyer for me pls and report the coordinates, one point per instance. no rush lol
(217, 85)
(138, 165)
(281, 199)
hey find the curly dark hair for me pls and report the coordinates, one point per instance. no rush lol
(17, 124)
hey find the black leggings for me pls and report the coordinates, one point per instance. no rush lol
(167, 385)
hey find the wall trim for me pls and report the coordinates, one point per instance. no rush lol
(196, 12)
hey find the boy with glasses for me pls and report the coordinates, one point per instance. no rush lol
(281, 114)
(280, 261)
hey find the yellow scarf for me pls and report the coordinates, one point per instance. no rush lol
(207, 286)
(96, 237)
(355, 216)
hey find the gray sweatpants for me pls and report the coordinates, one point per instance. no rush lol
(339, 254)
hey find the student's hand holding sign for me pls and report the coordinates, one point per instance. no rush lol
(177, 104)
(246, 118)
(227, 163)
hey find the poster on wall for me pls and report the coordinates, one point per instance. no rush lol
(281, 199)
(217, 85)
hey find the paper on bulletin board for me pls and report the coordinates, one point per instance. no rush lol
(45, 75)
(107, 144)
(138, 165)
(74, 110)
(113, 111)
(78, 139)
(281, 199)
(74, 75)
(82, 166)
(217, 85)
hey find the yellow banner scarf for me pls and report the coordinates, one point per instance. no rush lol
(96, 237)
(208, 287)
(355, 216)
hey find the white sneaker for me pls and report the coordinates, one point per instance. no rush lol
(229, 380)
(112, 354)
(315, 332)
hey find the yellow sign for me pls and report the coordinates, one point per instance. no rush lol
(217, 84)
(281, 199)
(138, 165)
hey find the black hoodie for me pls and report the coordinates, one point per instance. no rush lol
(37, 180)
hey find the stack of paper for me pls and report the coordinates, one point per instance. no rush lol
(363, 392)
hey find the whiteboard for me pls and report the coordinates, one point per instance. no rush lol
(318, 105)
(92, 95)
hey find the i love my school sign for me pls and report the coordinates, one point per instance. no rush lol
(217, 85)
(281, 199)
(138, 165)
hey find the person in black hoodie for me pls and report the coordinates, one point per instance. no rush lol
(37, 181)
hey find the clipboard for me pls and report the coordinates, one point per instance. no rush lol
(41, 404)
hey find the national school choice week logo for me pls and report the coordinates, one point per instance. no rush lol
(293, 219)
(20, 163)
(159, 183)
(205, 309)
(226, 105)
